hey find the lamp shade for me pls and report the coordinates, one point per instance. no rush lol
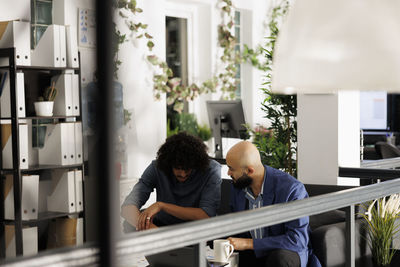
(324, 46)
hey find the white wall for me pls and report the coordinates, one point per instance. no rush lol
(15, 10)
(147, 129)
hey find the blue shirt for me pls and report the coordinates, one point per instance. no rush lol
(279, 187)
(202, 189)
(255, 203)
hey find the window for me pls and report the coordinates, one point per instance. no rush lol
(41, 17)
(238, 44)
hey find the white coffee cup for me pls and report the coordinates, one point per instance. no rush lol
(222, 250)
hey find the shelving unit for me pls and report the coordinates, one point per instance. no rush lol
(35, 73)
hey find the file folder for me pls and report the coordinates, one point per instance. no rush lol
(78, 191)
(29, 197)
(6, 144)
(63, 101)
(55, 150)
(47, 51)
(75, 95)
(71, 142)
(63, 49)
(72, 47)
(29, 241)
(78, 143)
(16, 34)
(79, 232)
(62, 194)
(5, 94)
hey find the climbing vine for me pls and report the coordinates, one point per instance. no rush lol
(165, 82)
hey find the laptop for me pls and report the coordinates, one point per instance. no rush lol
(180, 257)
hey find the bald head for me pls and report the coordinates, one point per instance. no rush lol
(245, 154)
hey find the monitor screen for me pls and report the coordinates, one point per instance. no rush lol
(226, 118)
(373, 111)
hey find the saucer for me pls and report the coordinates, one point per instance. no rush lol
(217, 263)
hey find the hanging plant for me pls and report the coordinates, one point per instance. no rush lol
(165, 82)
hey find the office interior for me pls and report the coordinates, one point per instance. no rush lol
(344, 129)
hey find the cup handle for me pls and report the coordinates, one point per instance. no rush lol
(231, 249)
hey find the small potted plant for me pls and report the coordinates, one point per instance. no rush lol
(381, 216)
(44, 105)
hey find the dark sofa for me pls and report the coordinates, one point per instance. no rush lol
(327, 229)
(328, 232)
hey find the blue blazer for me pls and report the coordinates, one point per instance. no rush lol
(279, 187)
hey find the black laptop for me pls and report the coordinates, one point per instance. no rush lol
(180, 257)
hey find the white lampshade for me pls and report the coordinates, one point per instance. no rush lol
(329, 45)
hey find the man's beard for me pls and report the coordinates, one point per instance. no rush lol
(243, 181)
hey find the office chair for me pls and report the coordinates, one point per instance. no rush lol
(386, 150)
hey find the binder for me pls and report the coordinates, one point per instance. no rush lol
(78, 143)
(75, 95)
(6, 144)
(78, 191)
(72, 47)
(29, 197)
(63, 49)
(47, 51)
(5, 94)
(71, 142)
(16, 34)
(55, 150)
(63, 101)
(62, 194)
(29, 241)
(79, 231)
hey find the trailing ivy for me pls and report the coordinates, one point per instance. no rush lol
(165, 82)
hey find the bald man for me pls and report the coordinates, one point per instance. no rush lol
(254, 186)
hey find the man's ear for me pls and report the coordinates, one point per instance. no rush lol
(250, 170)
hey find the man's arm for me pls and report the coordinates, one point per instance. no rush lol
(183, 213)
(131, 214)
(139, 195)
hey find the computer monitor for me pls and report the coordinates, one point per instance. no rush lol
(226, 119)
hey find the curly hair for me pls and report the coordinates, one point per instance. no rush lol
(182, 151)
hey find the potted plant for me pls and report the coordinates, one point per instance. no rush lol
(381, 217)
(45, 103)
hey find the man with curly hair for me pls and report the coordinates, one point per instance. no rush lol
(187, 184)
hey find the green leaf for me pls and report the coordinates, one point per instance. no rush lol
(150, 45)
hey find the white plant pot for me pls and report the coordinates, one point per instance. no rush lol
(44, 108)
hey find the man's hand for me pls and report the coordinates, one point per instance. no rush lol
(145, 220)
(241, 243)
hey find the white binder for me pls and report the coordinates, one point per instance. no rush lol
(78, 142)
(16, 34)
(78, 191)
(79, 231)
(6, 144)
(75, 95)
(71, 142)
(63, 101)
(62, 195)
(29, 241)
(5, 94)
(55, 150)
(29, 197)
(63, 49)
(72, 47)
(47, 51)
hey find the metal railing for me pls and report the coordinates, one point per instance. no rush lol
(198, 232)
